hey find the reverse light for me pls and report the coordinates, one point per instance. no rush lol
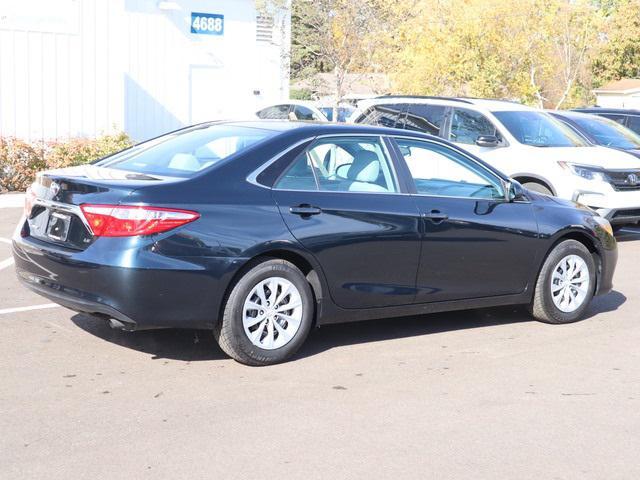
(130, 220)
(584, 171)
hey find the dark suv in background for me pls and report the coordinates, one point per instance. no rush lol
(624, 116)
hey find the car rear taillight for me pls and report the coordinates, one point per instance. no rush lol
(129, 220)
(29, 198)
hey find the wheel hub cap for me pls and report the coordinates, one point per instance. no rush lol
(272, 313)
(570, 283)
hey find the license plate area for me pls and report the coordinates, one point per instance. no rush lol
(58, 226)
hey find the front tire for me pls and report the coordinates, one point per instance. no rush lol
(565, 285)
(267, 315)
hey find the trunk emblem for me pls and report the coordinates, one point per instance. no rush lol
(54, 188)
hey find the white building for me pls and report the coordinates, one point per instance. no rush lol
(84, 67)
(623, 93)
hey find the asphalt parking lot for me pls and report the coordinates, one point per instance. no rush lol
(477, 394)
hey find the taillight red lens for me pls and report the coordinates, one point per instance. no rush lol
(29, 198)
(129, 220)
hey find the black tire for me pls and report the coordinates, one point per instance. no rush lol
(537, 187)
(229, 331)
(542, 307)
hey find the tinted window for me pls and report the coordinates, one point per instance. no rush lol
(441, 171)
(612, 116)
(343, 113)
(345, 164)
(633, 123)
(539, 129)
(467, 126)
(384, 115)
(185, 152)
(425, 118)
(608, 132)
(304, 113)
(277, 112)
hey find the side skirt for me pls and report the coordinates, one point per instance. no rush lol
(334, 314)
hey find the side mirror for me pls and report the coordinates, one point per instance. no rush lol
(489, 141)
(515, 191)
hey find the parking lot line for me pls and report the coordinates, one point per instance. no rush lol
(6, 263)
(6, 311)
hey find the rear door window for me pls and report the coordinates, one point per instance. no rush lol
(344, 164)
(300, 112)
(277, 112)
(387, 115)
(612, 116)
(425, 118)
(633, 123)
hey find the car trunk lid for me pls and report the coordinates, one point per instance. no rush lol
(54, 214)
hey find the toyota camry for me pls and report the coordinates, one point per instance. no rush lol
(259, 231)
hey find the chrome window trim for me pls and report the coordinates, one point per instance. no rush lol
(251, 178)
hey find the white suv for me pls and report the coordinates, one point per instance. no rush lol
(525, 143)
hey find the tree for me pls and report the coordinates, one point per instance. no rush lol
(340, 36)
(620, 56)
(535, 51)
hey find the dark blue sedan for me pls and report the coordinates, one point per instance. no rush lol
(260, 230)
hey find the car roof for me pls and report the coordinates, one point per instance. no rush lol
(486, 104)
(572, 114)
(323, 128)
(622, 111)
(302, 103)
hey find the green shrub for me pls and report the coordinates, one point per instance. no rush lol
(20, 160)
(19, 163)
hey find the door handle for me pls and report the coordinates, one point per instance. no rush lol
(436, 216)
(305, 210)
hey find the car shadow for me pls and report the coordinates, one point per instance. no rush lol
(199, 345)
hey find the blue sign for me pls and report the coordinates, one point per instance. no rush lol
(207, 23)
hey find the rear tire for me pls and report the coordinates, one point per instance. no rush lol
(565, 285)
(537, 187)
(267, 315)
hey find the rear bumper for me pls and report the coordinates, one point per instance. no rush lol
(79, 304)
(135, 286)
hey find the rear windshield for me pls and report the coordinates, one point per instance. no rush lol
(608, 132)
(539, 129)
(183, 153)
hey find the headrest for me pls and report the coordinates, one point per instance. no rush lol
(365, 167)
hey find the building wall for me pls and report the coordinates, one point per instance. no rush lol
(90, 66)
(617, 100)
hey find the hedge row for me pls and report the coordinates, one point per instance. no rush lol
(20, 160)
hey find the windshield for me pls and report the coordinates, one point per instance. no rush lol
(608, 132)
(539, 130)
(183, 153)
